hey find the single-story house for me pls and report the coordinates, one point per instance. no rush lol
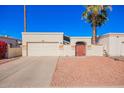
(57, 44)
(11, 41)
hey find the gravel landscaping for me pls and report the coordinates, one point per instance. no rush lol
(88, 72)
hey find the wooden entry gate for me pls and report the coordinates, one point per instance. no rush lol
(80, 49)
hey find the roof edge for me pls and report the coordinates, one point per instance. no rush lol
(48, 33)
(79, 37)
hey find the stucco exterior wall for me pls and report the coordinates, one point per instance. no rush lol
(94, 50)
(67, 50)
(113, 44)
(91, 50)
(87, 40)
(116, 47)
(42, 37)
(14, 52)
(105, 43)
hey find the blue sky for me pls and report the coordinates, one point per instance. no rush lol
(64, 18)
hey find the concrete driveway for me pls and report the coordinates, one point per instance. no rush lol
(28, 72)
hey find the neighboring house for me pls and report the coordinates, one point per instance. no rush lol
(13, 46)
(11, 41)
(113, 44)
(57, 44)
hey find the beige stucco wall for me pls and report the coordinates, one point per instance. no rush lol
(105, 42)
(67, 50)
(113, 44)
(42, 37)
(116, 46)
(91, 50)
(87, 40)
(94, 50)
(14, 52)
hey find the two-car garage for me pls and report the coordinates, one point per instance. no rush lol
(41, 43)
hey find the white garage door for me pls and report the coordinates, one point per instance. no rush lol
(42, 49)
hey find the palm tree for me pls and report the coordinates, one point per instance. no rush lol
(96, 15)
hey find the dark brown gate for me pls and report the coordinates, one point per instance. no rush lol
(80, 49)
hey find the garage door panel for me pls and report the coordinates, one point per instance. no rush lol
(42, 49)
(33, 49)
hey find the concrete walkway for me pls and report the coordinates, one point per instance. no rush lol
(28, 72)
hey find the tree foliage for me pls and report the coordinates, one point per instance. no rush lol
(96, 15)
